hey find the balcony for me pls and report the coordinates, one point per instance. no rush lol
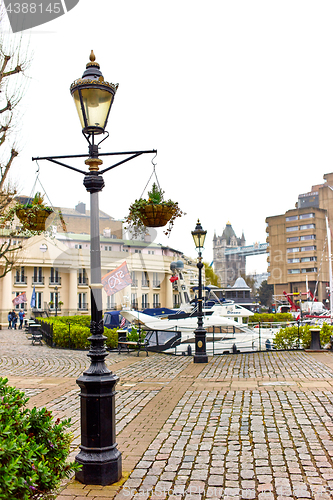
(156, 284)
(55, 281)
(145, 283)
(134, 284)
(38, 280)
(20, 280)
(82, 307)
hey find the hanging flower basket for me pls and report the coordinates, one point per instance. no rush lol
(153, 212)
(156, 215)
(32, 216)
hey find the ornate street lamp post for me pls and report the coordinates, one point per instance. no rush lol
(100, 459)
(200, 355)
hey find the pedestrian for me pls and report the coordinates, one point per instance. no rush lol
(21, 317)
(14, 319)
(10, 320)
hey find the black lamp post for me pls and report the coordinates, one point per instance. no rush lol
(200, 355)
(100, 459)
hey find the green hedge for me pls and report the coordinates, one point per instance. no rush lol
(74, 332)
(287, 337)
(33, 448)
(270, 318)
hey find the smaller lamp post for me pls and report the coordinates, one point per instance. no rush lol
(200, 355)
(56, 300)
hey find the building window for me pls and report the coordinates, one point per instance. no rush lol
(308, 249)
(39, 296)
(38, 278)
(144, 301)
(144, 279)
(292, 217)
(156, 281)
(20, 278)
(293, 238)
(293, 271)
(111, 302)
(307, 226)
(82, 277)
(308, 237)
(307, 216)
(151, 252)
(134, 300)
(54, 298)
(137, 251)
(291, 228)
(292, 250)
(54, 278)
(82, 305)
(156, 300)
(309, 259)
(309, 270)
(78, 247)
(293, 261)
(133, 278)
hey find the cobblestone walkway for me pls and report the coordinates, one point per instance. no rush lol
(245, 426)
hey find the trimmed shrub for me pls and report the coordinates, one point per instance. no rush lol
(270, 318)
(33, 448)
(287, 337)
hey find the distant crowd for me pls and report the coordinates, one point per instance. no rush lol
(13, 318)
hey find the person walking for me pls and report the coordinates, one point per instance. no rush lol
(21, 317)
(14, 319)
(10, 320)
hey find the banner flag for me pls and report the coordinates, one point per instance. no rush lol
(33, 299)
(116, 280)
(20, 299)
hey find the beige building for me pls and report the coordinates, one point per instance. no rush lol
(298, 246)
(58, 268)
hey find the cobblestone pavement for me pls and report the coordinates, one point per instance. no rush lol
(245, 426)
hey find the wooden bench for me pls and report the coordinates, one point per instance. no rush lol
(123, 343)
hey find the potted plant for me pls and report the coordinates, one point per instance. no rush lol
(31, 215)
(154, 212)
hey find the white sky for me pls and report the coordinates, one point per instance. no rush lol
(236, 96)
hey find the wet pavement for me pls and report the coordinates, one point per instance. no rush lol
(243, 426)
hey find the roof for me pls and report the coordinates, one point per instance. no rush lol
(228, 232)
(240, 283)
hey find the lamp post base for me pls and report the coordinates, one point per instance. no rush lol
(101, 461)
(102, 468)
(200, 358)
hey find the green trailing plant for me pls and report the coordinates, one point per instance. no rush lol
(33, 448)
(154, 212)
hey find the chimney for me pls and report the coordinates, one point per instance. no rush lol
(81, 207)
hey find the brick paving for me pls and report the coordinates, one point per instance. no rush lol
(245, 426)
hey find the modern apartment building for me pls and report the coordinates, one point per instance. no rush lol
(298, 246)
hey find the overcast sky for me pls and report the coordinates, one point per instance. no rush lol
(235, 95)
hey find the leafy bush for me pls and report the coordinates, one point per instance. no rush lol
(33, 448)
(287, 337)
(74, 332)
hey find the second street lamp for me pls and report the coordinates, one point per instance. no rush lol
(200, 355)
(100, 459)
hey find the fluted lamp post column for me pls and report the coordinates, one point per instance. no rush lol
(200, 355)
(99, 456)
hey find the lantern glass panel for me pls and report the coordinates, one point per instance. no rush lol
(96, 103)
